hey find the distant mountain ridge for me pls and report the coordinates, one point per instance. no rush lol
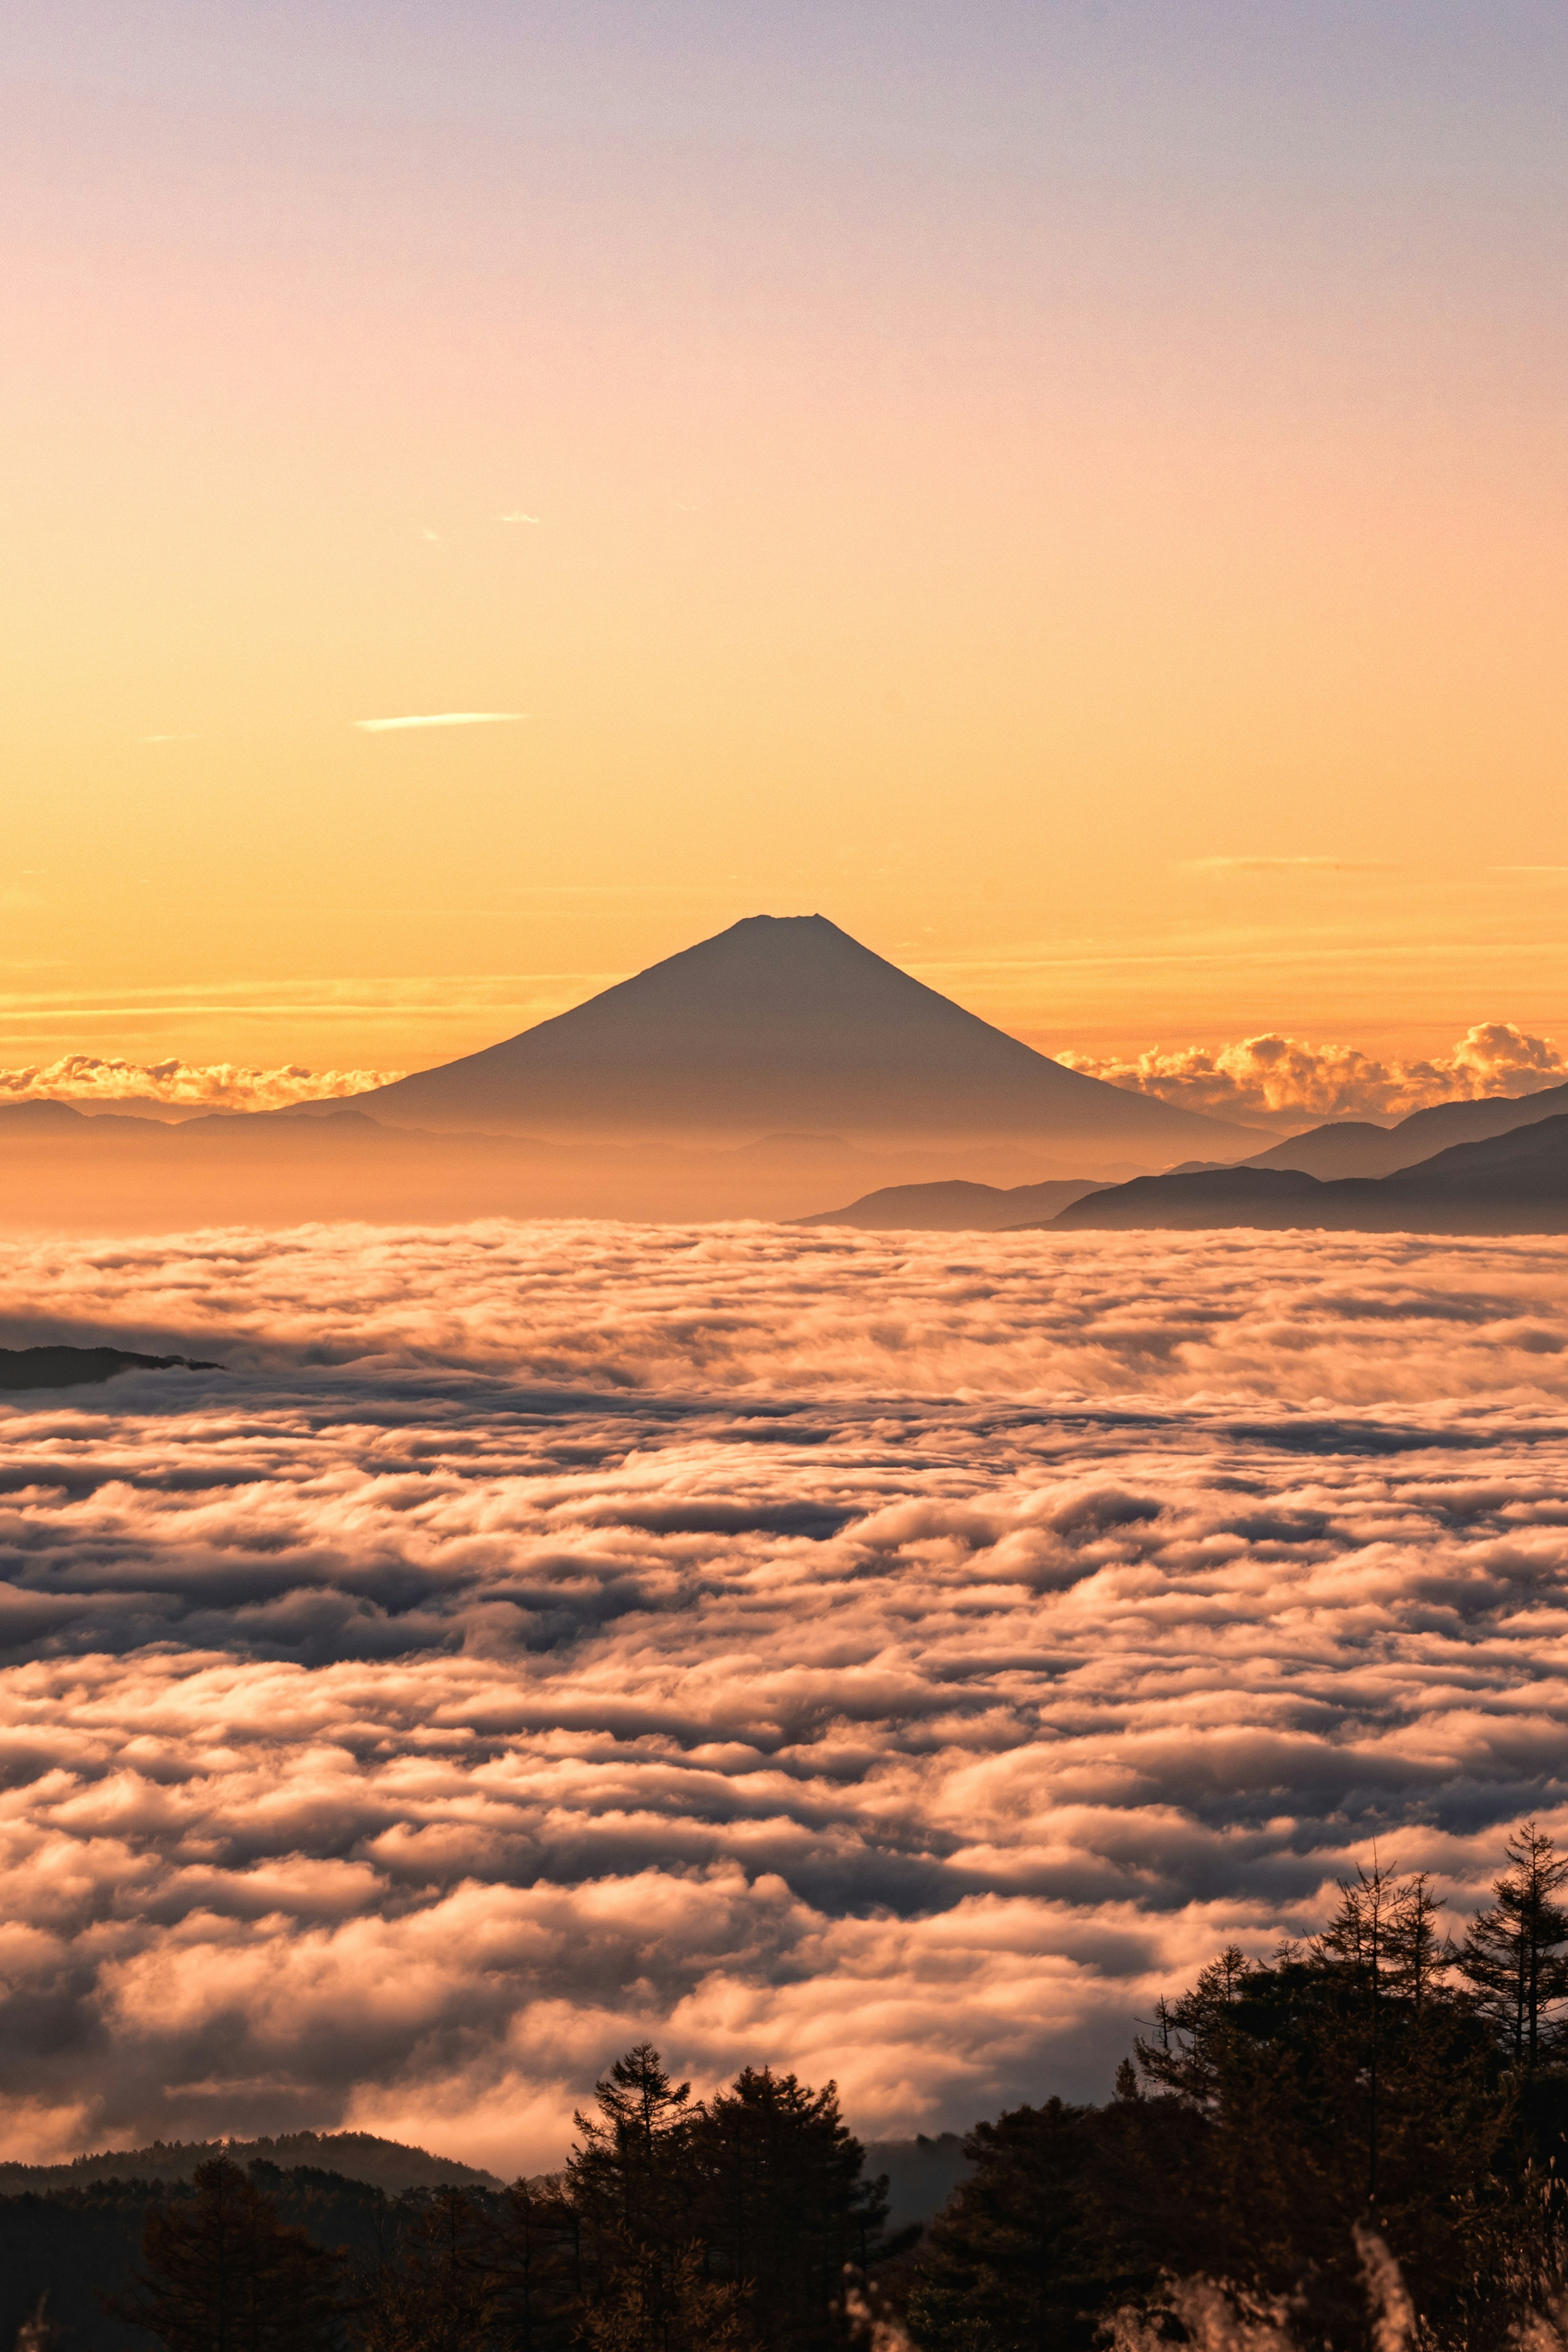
(954, 1206)
(785, 1021)
(357, 2155)
(66, 1368)
(1516, 1182)
(1356, 1147)
(923, 2170)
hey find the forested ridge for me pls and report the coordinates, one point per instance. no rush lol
(1357, 2142)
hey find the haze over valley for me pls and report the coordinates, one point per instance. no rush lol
(755, 1074)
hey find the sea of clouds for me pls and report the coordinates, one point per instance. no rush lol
(898, 1657)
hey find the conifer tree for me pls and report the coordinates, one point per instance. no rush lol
(782, 2202)
(1513, 1954)
(1017, 2259)
(432, 2290)
(535, 2269)
(630, 2177)
(664, 2303)
(1420, 1958)
(1311, 2087)
(221, 2274)
(1360, 1941)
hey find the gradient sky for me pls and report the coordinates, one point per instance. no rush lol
(1073, 493)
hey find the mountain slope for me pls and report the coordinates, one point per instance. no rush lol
(1355, 1147)
(66, 1368)
(786, 1021)
(1512, 1183)
(387, 2164)
(953, 1206)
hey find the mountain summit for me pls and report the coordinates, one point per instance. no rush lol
(786, 1022)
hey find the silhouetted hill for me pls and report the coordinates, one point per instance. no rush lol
(24, 1117)
(78, 2240)
(1356, 1147)
(77, 2244)
(357, 2155)
(1510, 1183)
(786, 1021)
(65, 1368)
(953, 1207)
(1350, 1147)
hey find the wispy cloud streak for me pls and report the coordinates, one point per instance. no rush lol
(440, 719)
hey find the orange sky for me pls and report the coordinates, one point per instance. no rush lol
(1082, 508)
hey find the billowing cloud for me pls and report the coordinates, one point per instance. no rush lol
(97, 1081)
(1285, 1081)
(897, 1656)
(1273, 1080)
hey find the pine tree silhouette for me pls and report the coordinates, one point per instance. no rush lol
(1513, 1954)
(432, 2290)
(221, 2274)
(666, 2305)
(782, 2202)
(535, 2270)
(630, 2177)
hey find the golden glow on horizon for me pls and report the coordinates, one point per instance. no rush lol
(1138, 618)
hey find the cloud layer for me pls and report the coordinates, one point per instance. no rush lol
(897, 1656)
(1288, 1082)
(92, 1081)
(1281, 1081)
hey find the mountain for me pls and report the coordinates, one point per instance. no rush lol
(357, 2155)
(1510, 1183)
(1355, 1147)
(72, 2234)
(954, 1206)
(785, 1021)
(67, 1368)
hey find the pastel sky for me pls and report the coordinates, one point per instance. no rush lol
(1075, 493)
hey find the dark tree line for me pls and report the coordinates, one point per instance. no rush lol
(1374, 2085)
(1374, 2079)
(678, 2225)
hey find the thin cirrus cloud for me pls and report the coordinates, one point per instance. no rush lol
(1286, 866)
(440, 719)
(539, 1638)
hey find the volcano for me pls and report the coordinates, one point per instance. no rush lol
(784, 1025)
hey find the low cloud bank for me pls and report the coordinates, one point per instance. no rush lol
(891, 1658)
(92, 1082)
(1288, 1082)
(1281, 1081)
